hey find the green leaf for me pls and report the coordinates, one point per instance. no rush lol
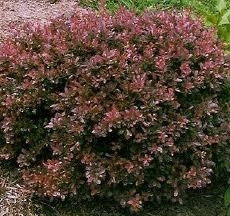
(211, 19)
(221, 5)
(225, 18)
(224, 33)
(227, 198)
(228, 212)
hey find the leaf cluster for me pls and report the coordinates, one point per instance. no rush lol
(123, 106)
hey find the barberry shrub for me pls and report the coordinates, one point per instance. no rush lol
(122, 106)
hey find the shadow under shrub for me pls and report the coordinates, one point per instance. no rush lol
(122, 106)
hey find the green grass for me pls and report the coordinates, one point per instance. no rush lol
(139, 5)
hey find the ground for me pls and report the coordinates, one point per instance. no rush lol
(19, 11)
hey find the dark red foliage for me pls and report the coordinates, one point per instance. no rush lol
(122, 106)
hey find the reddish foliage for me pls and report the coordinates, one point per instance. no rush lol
(120, 105)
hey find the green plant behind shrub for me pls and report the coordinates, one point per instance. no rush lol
(122, 106)
(220, 18)
(139, 5)
(113, 5)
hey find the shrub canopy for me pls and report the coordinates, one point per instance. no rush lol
(122, 106)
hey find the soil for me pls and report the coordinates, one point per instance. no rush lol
(20, 11)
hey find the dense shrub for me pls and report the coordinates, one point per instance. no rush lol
(122, 106)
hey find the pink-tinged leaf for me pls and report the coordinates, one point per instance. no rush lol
(112, 115)
(138, 83)
(53, 165)
(185, 68)
(135, 203)
(160, 63)
(129, 166)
